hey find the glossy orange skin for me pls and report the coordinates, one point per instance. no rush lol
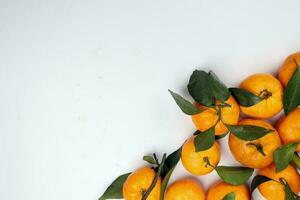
(288, 128)
(274, 190)
(266, 108)
(185, 189)
(193, 161)
(249, 155)
(209, 117)
(219, 190)
(288, 68)
(140, 181)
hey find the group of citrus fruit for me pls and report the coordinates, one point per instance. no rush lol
(253, 141)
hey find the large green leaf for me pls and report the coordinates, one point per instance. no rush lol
(257, 180)
(229, 196)
(244, 97)
(186, 106)
(291, 98)
(169, 167)
(220, 91)
(200, 88)
(284, 155)
(205, 140)
(115, 190)
(164, 183)
(289, 195)
(234, 175)
(248, 132)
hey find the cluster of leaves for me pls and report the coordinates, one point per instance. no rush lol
(206, 88)
(164, 169)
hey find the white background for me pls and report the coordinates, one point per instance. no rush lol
(84, 83)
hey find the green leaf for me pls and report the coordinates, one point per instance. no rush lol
(164, 183)
(234, 175)
(115, 190)
(257, 180)
(230, 196)
(296, 160)
(218, 137)
(205, 140)
(248, 132)
(186, 106)
(284, 155)
(244, 97)
(169, 166)
(200, 88)
(220, 91)
(291, 98)
(289, 195)
(149, 159)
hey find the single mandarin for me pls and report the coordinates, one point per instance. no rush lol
(219, 190)
(288, 68)
(274, 190)
(139, 182)
(269, 89)
(288, 128)
(229, 114)
(185, 189)
(247, 152)
(202, 162)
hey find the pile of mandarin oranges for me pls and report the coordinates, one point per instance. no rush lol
(267, 152)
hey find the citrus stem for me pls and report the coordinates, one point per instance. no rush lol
(207, 163)
(265, 94)
(296, 160)
(258, 147)
(159, 171)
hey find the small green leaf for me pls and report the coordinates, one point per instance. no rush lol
(149, 159)
(230, 196)
(218, 137)
(205, 140)
(200, 88)
(234, 175)
(289, 195)
(244, 97)
(296, 160)
(248, 132)
(115, 190)
(257, 180)
(284, 155)
(291, 98)
(186, 106)
(220, 91)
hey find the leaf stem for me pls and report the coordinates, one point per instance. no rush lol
(160, 168)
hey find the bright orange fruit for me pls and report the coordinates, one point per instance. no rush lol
(139, 182)
(185, 189)
(269, 89)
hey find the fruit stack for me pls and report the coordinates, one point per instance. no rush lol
(253, 141)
